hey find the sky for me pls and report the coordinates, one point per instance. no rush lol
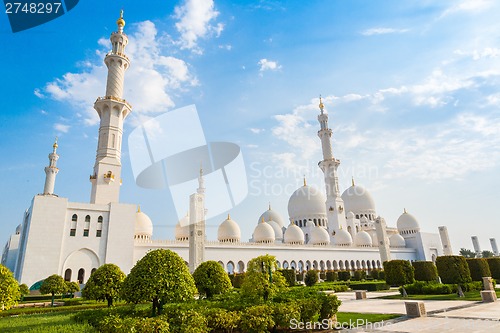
(411, 89)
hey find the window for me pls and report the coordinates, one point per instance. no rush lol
(67, 275)
(74, 221)
(81, 275)
(87, 226)
(86, 233)
(72, 232)
(98, 233)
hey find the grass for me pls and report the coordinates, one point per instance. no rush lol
(469, 296)
(360, 319)
(58, 322)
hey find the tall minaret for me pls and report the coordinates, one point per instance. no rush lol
(197, 225)
(51, 171)
(112, 110)
(334, 203)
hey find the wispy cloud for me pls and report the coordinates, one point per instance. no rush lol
(256, 130)
(467, 6)
(195, 22)
(149, 82)
(61, 128)
(268, 65)
(382, 31)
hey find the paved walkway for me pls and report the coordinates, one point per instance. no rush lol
(442, 316)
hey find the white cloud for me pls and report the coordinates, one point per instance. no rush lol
(468, 6)
(61, 128)
(38, 93)
(256, 130)
(382, 31)
(268, 65)
(195, 17)
(44, 112)
(148, 83)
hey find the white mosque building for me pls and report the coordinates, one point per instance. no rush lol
(339, 232)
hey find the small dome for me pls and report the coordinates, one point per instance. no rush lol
(407, 224)
(182, 229)
(342, 238)
(358, 200)
(229, 231)
(263, 233)
(294, 235)
(350, 215)
(271, 215)
(306, 202)
(363, 239)
(278, 232)
(397, 240)
(319, 236)
(143, 225)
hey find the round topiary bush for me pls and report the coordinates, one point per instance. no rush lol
(311, 278)
(211, 279)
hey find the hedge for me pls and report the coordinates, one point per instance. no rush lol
(344, 275)
(428, 288)
(371, 286)
(478, 268)
(331, 276)
(494, 264)
(453, 269)
(289, 275)
(359, 275)
(425, 271)
(399, 272)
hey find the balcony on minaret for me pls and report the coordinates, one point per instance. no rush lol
(109, 177)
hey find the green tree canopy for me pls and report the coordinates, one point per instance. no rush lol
(54, 284)
(262, 280)
(9, 289)
(23, 289)
(399, 273)
(453, 269)
(425, 271)
(211, 279)
(72, 287)
(487, 254)
(104, 284)
(161, 276)
(467, 253)
(311, 277)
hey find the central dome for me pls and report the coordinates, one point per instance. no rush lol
(305, 203)
(359, 201)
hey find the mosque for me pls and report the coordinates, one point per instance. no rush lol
(332, 232)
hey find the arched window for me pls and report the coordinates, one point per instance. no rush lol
(98, 232)
(241, 266)
(293, 265)
(221, 263)
(315, 222)
(81, 275)
(87, 226)
(93, 270)
(74, 221)
(230, 267)
(301, 266)
(67, 275)
(285, 264)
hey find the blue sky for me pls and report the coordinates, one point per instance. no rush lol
(411, 88)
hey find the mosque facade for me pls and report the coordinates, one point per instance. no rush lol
(330, 231)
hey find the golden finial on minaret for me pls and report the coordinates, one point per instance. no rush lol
(55, 145)
(120, 22)
(305, 183)
(352, 180)
(138, 208)
(321, 105)
(262, 220)
(228, 216)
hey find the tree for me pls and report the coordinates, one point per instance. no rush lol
(425, 271)
(467, 253)
(161, 276)
(72, 287)
(399, 273)
(262, 280)
(24, 290)
(54, 284)
(104, 284)
(9, 289)
(487, 254)
(478, 268)
(211, 279)
(454, 270)
(311, 277)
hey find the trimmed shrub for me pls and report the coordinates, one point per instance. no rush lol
(381, 275)
(398, 272)
(494, 264)
(222, 320)
(149, 325)
(256, 319)
(300, 276)
(9, 289)
(311, 278)
(309, 308)
(344, 275)
(329, 306)
(425, 271)
(184, 319)
(322, 275)
(478, 268)
(427, 288)
(283, 313)
(289, 275)
(453, 269)
(359, 275)
(375, 274)
(237, 279)
(331, 276)
(211, 279)
(370, 286)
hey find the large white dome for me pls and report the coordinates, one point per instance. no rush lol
(397, 240)
(263, 233)
(407, 224)
(294, 235)
(359, 201)
(319, 236)
(271, 215)
(342, 238)
(143, 226)
(229, 231)
(305, 203)
(363, 239)
(278, 232)
(182, 229)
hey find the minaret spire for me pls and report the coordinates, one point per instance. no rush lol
(112, 110)
(329, 165)
(51, 171)
(201, 181)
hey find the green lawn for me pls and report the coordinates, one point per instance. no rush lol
(59, 322)
(361, 319)
(469, 296)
